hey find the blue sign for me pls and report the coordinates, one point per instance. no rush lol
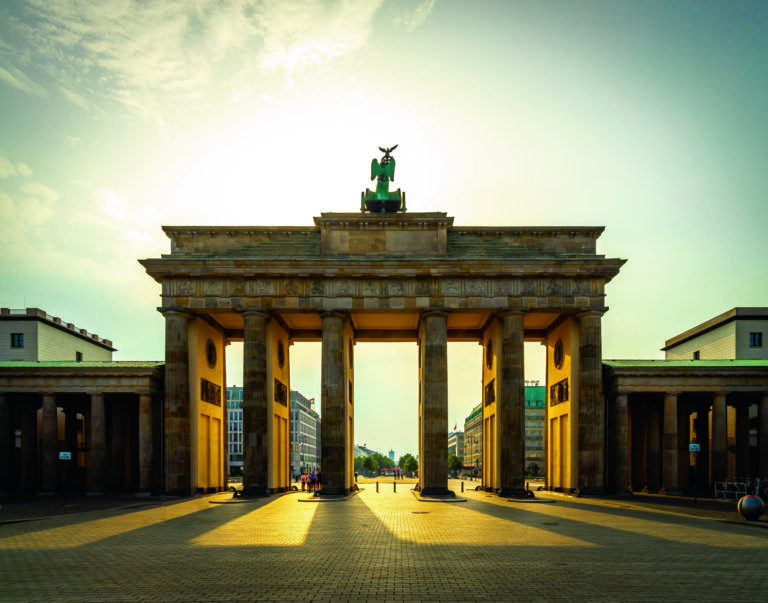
(65, 456)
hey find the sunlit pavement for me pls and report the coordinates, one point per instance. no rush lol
(383, 546)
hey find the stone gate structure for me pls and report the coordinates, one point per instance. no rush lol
(372, 277)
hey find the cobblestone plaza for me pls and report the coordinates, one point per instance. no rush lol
(385, 546)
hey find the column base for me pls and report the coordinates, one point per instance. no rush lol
(437, 491)
(254, 491)
(331, 491)
(516, 492)
(664, 492)
(588, 491)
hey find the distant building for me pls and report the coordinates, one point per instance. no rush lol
(738, 334)
(305, 434)
(473, 439)
(363, 451)
(456, 443)
(391, 455)
(535, 408)
(33, 335)
(235, 430)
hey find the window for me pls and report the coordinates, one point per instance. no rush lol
(78, 356)
(755, 340)
(696, 355)
(17, 340)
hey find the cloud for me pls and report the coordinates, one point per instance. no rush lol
(155, 57)
(8, 168)
(19, 79)
(412, 15)
(74, 98)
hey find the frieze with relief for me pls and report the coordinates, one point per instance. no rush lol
(451, 287)
(266, 287)
(396, 288)
(371, 288)
(476, 287)
(554, 287)
(423, 288)
(344, 288)
(291, 287)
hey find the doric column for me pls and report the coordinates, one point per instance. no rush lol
(178, 436)
(622, 444)
(225, 417)
(719, 439)
(671, 484)
(653, 452)
(591, 405)
(742, 440)
(683, 440)
(762, 436)
(433, 465)
(29, 465)
(6, 443)
(50, 445)
(145, 443)
(255, 403)
(510, 406)
(98, 445)
(333, 426)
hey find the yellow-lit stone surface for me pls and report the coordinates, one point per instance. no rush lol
(384, 546)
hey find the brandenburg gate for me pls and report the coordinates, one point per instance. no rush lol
(381, 274)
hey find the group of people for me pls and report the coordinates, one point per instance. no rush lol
(310, 481)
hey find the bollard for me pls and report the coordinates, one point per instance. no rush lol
(377, 487)
(462, 485)
(394, 486)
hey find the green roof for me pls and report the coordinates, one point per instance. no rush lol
(683, 363)
(67, 364)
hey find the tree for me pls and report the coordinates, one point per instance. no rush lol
(383, 461)
(410, 465)
(455, 464)
(370, 464)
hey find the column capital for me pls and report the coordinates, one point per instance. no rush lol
(512, 312)
(441, 311)
(176, 310)
(590, 314)
(253, 311)
(332, 312)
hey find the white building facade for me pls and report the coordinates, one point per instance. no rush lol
(305, 435)
(738, 334)
(33, 335)
(235, 430)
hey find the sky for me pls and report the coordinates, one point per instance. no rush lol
(646, 117)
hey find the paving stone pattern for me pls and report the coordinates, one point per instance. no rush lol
(383, 546)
